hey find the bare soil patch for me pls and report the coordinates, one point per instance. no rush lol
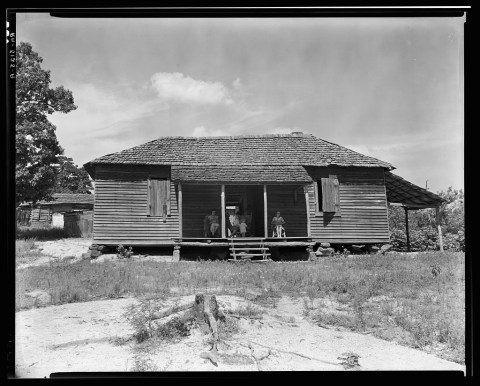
(95, 336)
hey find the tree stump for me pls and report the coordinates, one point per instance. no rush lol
(206, 308)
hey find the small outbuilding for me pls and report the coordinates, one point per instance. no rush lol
(53, 212)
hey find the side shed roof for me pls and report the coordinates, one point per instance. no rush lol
(400, 191)
(67, 198)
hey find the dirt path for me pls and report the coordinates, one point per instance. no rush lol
(86, 337)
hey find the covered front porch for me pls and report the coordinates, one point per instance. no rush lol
(249, 194)
(255, 205)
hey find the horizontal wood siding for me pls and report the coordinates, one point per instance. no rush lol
(121, 207)
(41, 215)
(282, 198)
(78, 224)
(198, 202)
(363, 207)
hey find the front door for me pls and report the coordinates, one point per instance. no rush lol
(246, 203)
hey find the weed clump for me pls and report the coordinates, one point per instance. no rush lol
(123, 253)
(142, 318)
(249, 311)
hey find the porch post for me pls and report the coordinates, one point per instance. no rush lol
(180, 210)
(307, 203)
(406, 228)
(223, 211)
(437, 217)
(265, 212)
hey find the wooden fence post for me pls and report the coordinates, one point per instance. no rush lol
(437, 218)
(406, 228)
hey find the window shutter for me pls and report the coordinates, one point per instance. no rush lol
(158, 197)
(167, 188)
(336, 193)
(330, 194)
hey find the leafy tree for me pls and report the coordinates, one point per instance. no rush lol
(453, 211)
(71, 178)
(37, 147)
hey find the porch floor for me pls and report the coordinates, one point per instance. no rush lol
(225, 242)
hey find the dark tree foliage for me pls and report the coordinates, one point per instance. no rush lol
(71, 178)
(37, 148)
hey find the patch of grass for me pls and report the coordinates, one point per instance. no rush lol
(41, 233)
(141, 318)
(334, 319)
(249, 310)
(143, 363)
(227, 328)
(25, 251)
(268, 297)
(24, 245)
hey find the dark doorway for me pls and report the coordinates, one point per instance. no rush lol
(247, 202)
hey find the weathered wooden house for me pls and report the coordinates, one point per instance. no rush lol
(52, 212)
(161, 193)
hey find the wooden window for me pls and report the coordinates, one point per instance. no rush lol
(327, 195)
(158, 197)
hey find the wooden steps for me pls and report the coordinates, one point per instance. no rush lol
(244, 249)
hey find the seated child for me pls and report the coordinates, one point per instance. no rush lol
(243, 227)
(235, 225)
(277, 225)
(213, 222)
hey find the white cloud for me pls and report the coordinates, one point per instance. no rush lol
(201, 131)
(180, 88)
(237, 84)
(104, 116)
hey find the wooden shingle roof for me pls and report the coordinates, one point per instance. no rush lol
(273, 149)
(69, 198)
(400, 191)
(240, 174)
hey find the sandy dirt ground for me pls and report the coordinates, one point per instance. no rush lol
(93, 337)
(70, 249)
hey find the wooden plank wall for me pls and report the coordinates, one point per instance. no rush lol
(78, 224)
(294, 212)
(363, 207)
(121, 211)
(198, 202)
(23, 216)
(41, 215)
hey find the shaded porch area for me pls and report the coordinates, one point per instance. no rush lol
(401, 192)
(229, 205)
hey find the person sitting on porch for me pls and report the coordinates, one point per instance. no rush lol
(213, 223)
(235, 225)
(277, 225)
(243, 226)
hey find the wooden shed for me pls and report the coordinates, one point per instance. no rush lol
(78, 224)
(162, 192)
(42, 213)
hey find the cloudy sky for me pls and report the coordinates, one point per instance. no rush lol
(390, 88)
